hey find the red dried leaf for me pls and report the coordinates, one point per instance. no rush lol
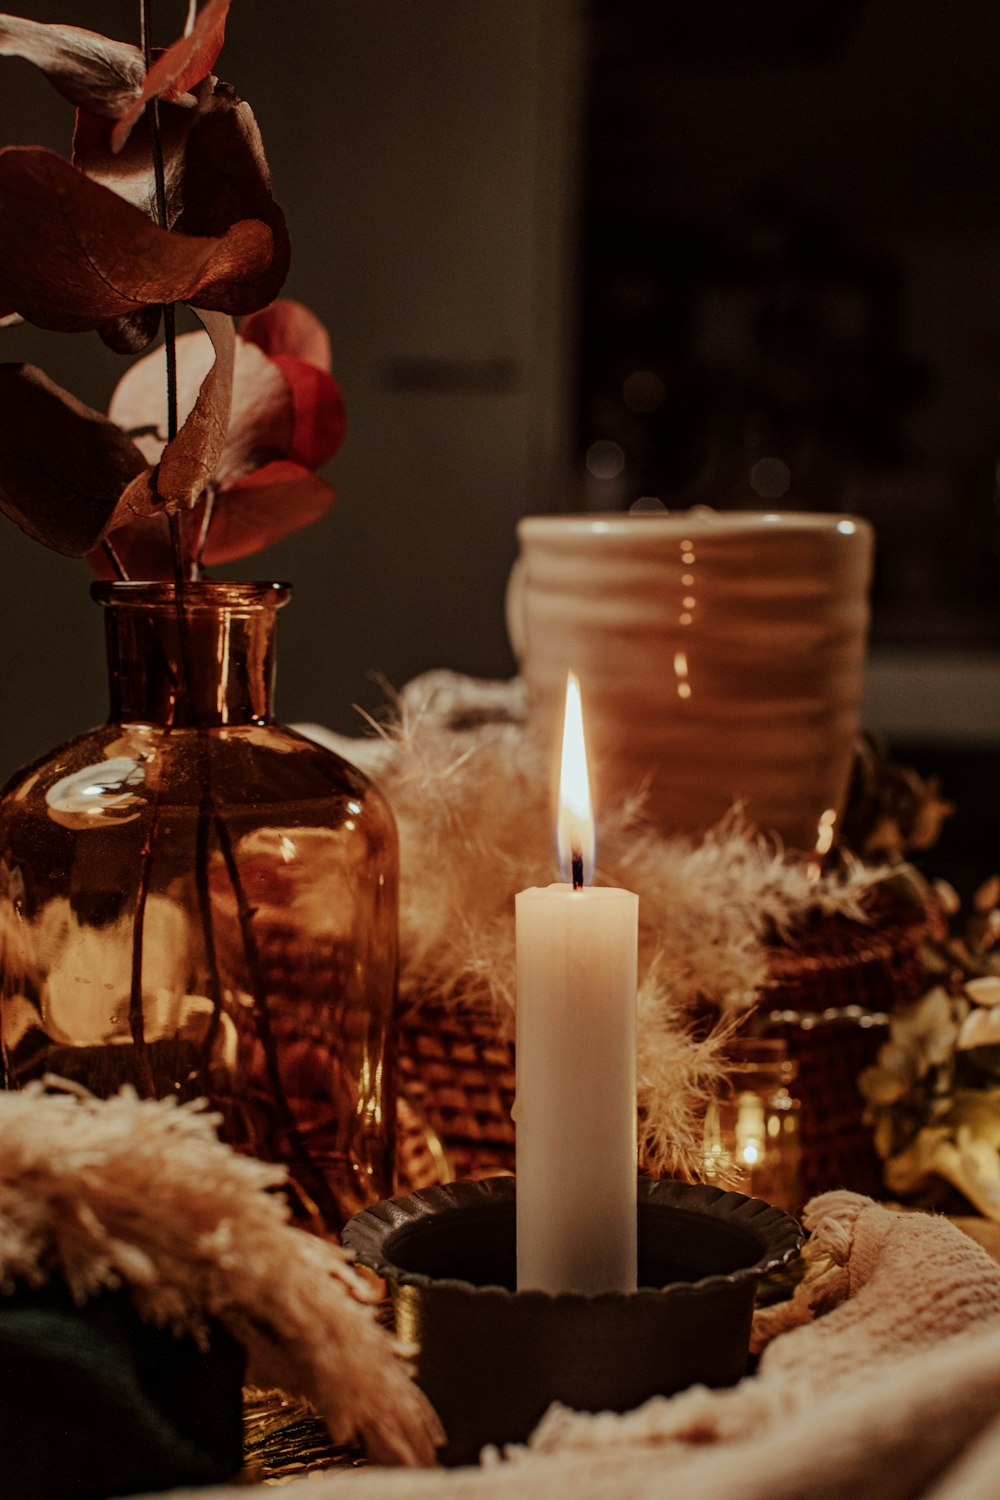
(104, 76)
(179, 473)
(320, 422)
(255, 513)
(62, 465)
(262, 425)
(263, 508)
(185, 63)
(74, 254)
(289, 327)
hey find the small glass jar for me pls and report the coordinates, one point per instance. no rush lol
(198, 901)
(750, 1142)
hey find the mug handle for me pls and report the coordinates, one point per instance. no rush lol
(514, 610)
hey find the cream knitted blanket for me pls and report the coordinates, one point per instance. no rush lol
(879, 1381)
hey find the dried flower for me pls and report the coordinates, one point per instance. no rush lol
(932, 1095)
(286, 419)
(142, 1193)
(107, 240)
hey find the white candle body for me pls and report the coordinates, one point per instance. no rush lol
(575, 1109)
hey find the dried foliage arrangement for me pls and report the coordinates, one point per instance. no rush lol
(469, 787)
(934, 1092)
(141, 1194)
(210, 447)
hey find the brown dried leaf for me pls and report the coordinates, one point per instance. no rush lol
(74, 254)
(144, 549)
(179, 473)
(131, 334)
(102, 75)
(131, 173)
(185, 63)
(263, 508)
(62, 465)
(215, 170)
(260, 510)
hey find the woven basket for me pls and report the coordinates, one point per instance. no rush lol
(828, 997)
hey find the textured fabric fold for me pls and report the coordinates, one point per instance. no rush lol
(879, 1381)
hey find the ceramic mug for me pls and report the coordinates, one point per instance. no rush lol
(720, 656)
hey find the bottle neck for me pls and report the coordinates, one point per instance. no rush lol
(201, 657)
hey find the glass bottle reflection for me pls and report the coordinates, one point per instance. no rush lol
(197, 901)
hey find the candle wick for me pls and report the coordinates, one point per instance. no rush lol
(577, 870)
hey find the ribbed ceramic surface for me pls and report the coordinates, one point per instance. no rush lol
(720, 656)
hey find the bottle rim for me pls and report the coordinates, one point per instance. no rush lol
(208, 594)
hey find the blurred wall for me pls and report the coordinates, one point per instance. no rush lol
(423, 154)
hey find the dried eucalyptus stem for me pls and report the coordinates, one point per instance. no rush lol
(169, 314)
(136, 1016)
(209, 817)
(320, 1188)
(114, 560)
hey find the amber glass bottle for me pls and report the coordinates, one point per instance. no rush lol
(197, 901)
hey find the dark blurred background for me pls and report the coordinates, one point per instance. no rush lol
(574, 254)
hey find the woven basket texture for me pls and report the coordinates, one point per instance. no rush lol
(829, 998)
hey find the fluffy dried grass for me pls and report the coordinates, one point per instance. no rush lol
(470, 790)
(142, 1193)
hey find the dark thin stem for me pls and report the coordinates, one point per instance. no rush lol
(201, 853)
(169, 315)
(577, 870)
(136, 1018)
(169, 329)
(177, 552)
(115, 561)
(258, 985)
(206, 525)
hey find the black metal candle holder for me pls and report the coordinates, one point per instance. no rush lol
(492, 1359)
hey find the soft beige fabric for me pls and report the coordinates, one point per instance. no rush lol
(879, 1381)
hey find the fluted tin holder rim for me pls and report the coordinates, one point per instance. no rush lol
(493, 1359)
(370, 1232)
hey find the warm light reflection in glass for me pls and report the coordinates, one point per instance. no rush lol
(750, 1130)
(681, 672)
(685, 618)
(575, 834)
(825, 831)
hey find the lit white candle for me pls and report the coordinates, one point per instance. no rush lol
(576, 1042)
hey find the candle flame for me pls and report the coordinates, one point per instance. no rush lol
(575, 836)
